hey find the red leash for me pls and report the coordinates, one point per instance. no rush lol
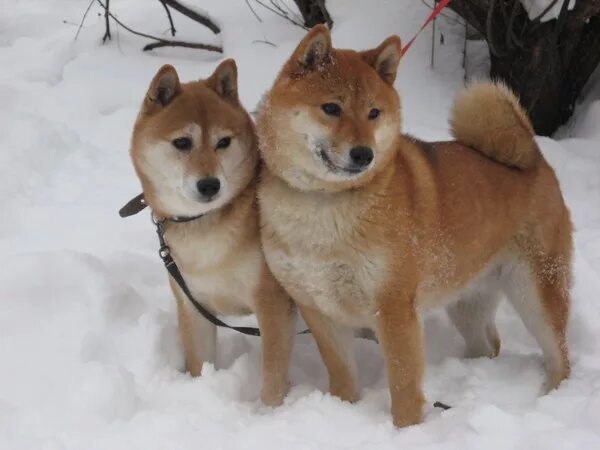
(436, 11)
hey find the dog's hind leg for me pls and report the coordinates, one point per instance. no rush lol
(474, 316)
(540, 294)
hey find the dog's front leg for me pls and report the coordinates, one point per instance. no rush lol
(275, 313)
(198, 335)
(335, 343)
(400, 334)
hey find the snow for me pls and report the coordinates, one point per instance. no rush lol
(88, 336)
(535, 8)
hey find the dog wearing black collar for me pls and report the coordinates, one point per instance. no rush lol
(195, 152)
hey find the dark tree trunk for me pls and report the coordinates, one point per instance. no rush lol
(314, 12)
(546, 63)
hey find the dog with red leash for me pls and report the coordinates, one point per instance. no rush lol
(367, 228)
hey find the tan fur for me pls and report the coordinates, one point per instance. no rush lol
(219, 255)
(488, 117)
(423, 226)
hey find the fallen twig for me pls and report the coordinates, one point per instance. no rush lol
(262, 41)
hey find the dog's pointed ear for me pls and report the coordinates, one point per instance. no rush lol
(315, 49)
(224, 80)
(163, 89)
(385, 58)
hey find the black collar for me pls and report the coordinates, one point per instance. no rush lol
(133, 206)
(138, 203)
(184, 219)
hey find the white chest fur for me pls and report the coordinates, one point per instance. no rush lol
(311, 245)
(220, 274)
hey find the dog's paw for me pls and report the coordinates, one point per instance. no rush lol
(271, 396)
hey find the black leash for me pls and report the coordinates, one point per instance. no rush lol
(137, 204)
(165, 254)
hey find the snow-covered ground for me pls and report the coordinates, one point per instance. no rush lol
(89, 351)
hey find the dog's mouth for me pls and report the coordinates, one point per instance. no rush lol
(204, 203)
(207, 199)
(338, 169)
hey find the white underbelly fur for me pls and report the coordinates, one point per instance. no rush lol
(491, 279)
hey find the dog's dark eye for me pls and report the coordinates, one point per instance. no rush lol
(374, 114)
(332, 109)
(224, 142)
(182, 143)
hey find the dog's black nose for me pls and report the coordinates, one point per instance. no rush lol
(361, 156)
(208, 187)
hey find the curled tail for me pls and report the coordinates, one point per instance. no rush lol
(487, 116)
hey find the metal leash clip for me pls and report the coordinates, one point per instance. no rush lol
(163, 251)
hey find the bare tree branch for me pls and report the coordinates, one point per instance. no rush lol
(194, 15)
(276, 9)
(106, 22)
(161, 41)
(184, 44)
(83, 18)
(171, 24)
(253, 12)
(283, 6)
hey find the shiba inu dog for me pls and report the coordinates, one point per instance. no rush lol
(194, 149)
(366, 227)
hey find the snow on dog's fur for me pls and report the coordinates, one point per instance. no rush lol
(194, 150)
(366, 227)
